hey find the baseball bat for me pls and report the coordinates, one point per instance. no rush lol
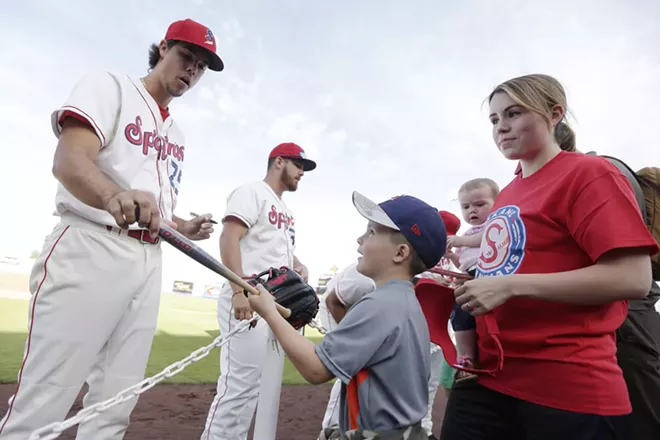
(180, 242)
(450, 273)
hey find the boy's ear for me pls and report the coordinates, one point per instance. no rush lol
(403, 252)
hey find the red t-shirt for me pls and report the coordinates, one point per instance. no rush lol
(561, 218)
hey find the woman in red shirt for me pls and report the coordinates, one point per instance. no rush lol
(564, 247)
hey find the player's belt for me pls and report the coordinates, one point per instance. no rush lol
(141, 235)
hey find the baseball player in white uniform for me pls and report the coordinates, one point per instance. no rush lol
(258, 233)
(344, 289)
(96, 285)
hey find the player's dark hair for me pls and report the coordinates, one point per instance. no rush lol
(416, 266)
(271, 161)
(154, 52)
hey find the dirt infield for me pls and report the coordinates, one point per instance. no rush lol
(178, 412)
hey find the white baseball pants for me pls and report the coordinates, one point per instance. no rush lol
(237, 391)
(92, 317)
(434, 382)
(331, 416)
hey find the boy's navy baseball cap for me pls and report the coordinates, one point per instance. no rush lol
(419, 222)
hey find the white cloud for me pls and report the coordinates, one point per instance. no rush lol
(226, 104)
(298, 128)
(205, 93)
(232, 31)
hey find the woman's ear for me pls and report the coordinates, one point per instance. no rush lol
(558, 114)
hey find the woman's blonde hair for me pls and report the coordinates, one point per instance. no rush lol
(539, 93)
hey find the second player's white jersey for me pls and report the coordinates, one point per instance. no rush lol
(271, 237)
(349, 286)
(444, 263)
(139, 150)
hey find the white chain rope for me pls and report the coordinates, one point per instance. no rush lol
(54, 430)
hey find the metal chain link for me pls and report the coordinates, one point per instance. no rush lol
(54, 430)
(317, 326)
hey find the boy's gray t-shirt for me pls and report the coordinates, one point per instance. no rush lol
(386, 333)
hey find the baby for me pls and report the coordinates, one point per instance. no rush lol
(476, 198)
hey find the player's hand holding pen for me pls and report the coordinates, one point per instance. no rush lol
(198, 228)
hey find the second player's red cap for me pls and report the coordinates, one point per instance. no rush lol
(195, 33)
(452, 223)
(289, 150)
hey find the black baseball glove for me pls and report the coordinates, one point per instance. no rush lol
(292, 292)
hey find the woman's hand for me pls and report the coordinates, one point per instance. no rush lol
(482, 295)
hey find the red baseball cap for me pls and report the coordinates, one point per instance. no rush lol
(452, 223)
(289, 150)
(194, 33)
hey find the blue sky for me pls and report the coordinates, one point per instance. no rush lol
(354, 83)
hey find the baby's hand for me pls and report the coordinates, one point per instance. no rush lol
(454, 241)
(439, 279)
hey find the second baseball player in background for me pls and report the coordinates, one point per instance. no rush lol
(258, 233)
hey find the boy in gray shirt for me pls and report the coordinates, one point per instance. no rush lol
(380, 350)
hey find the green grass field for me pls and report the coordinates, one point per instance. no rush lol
(184, 325)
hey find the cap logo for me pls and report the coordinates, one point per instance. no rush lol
(415, 230)
(209, 37)
(302, 154)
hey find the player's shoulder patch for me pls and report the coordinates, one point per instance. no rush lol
(503, 242)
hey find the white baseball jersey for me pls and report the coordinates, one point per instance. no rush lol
(444, 263)
(139, 150)
(349, 286)
(271, 237)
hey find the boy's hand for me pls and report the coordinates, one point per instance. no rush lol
(264, 303)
